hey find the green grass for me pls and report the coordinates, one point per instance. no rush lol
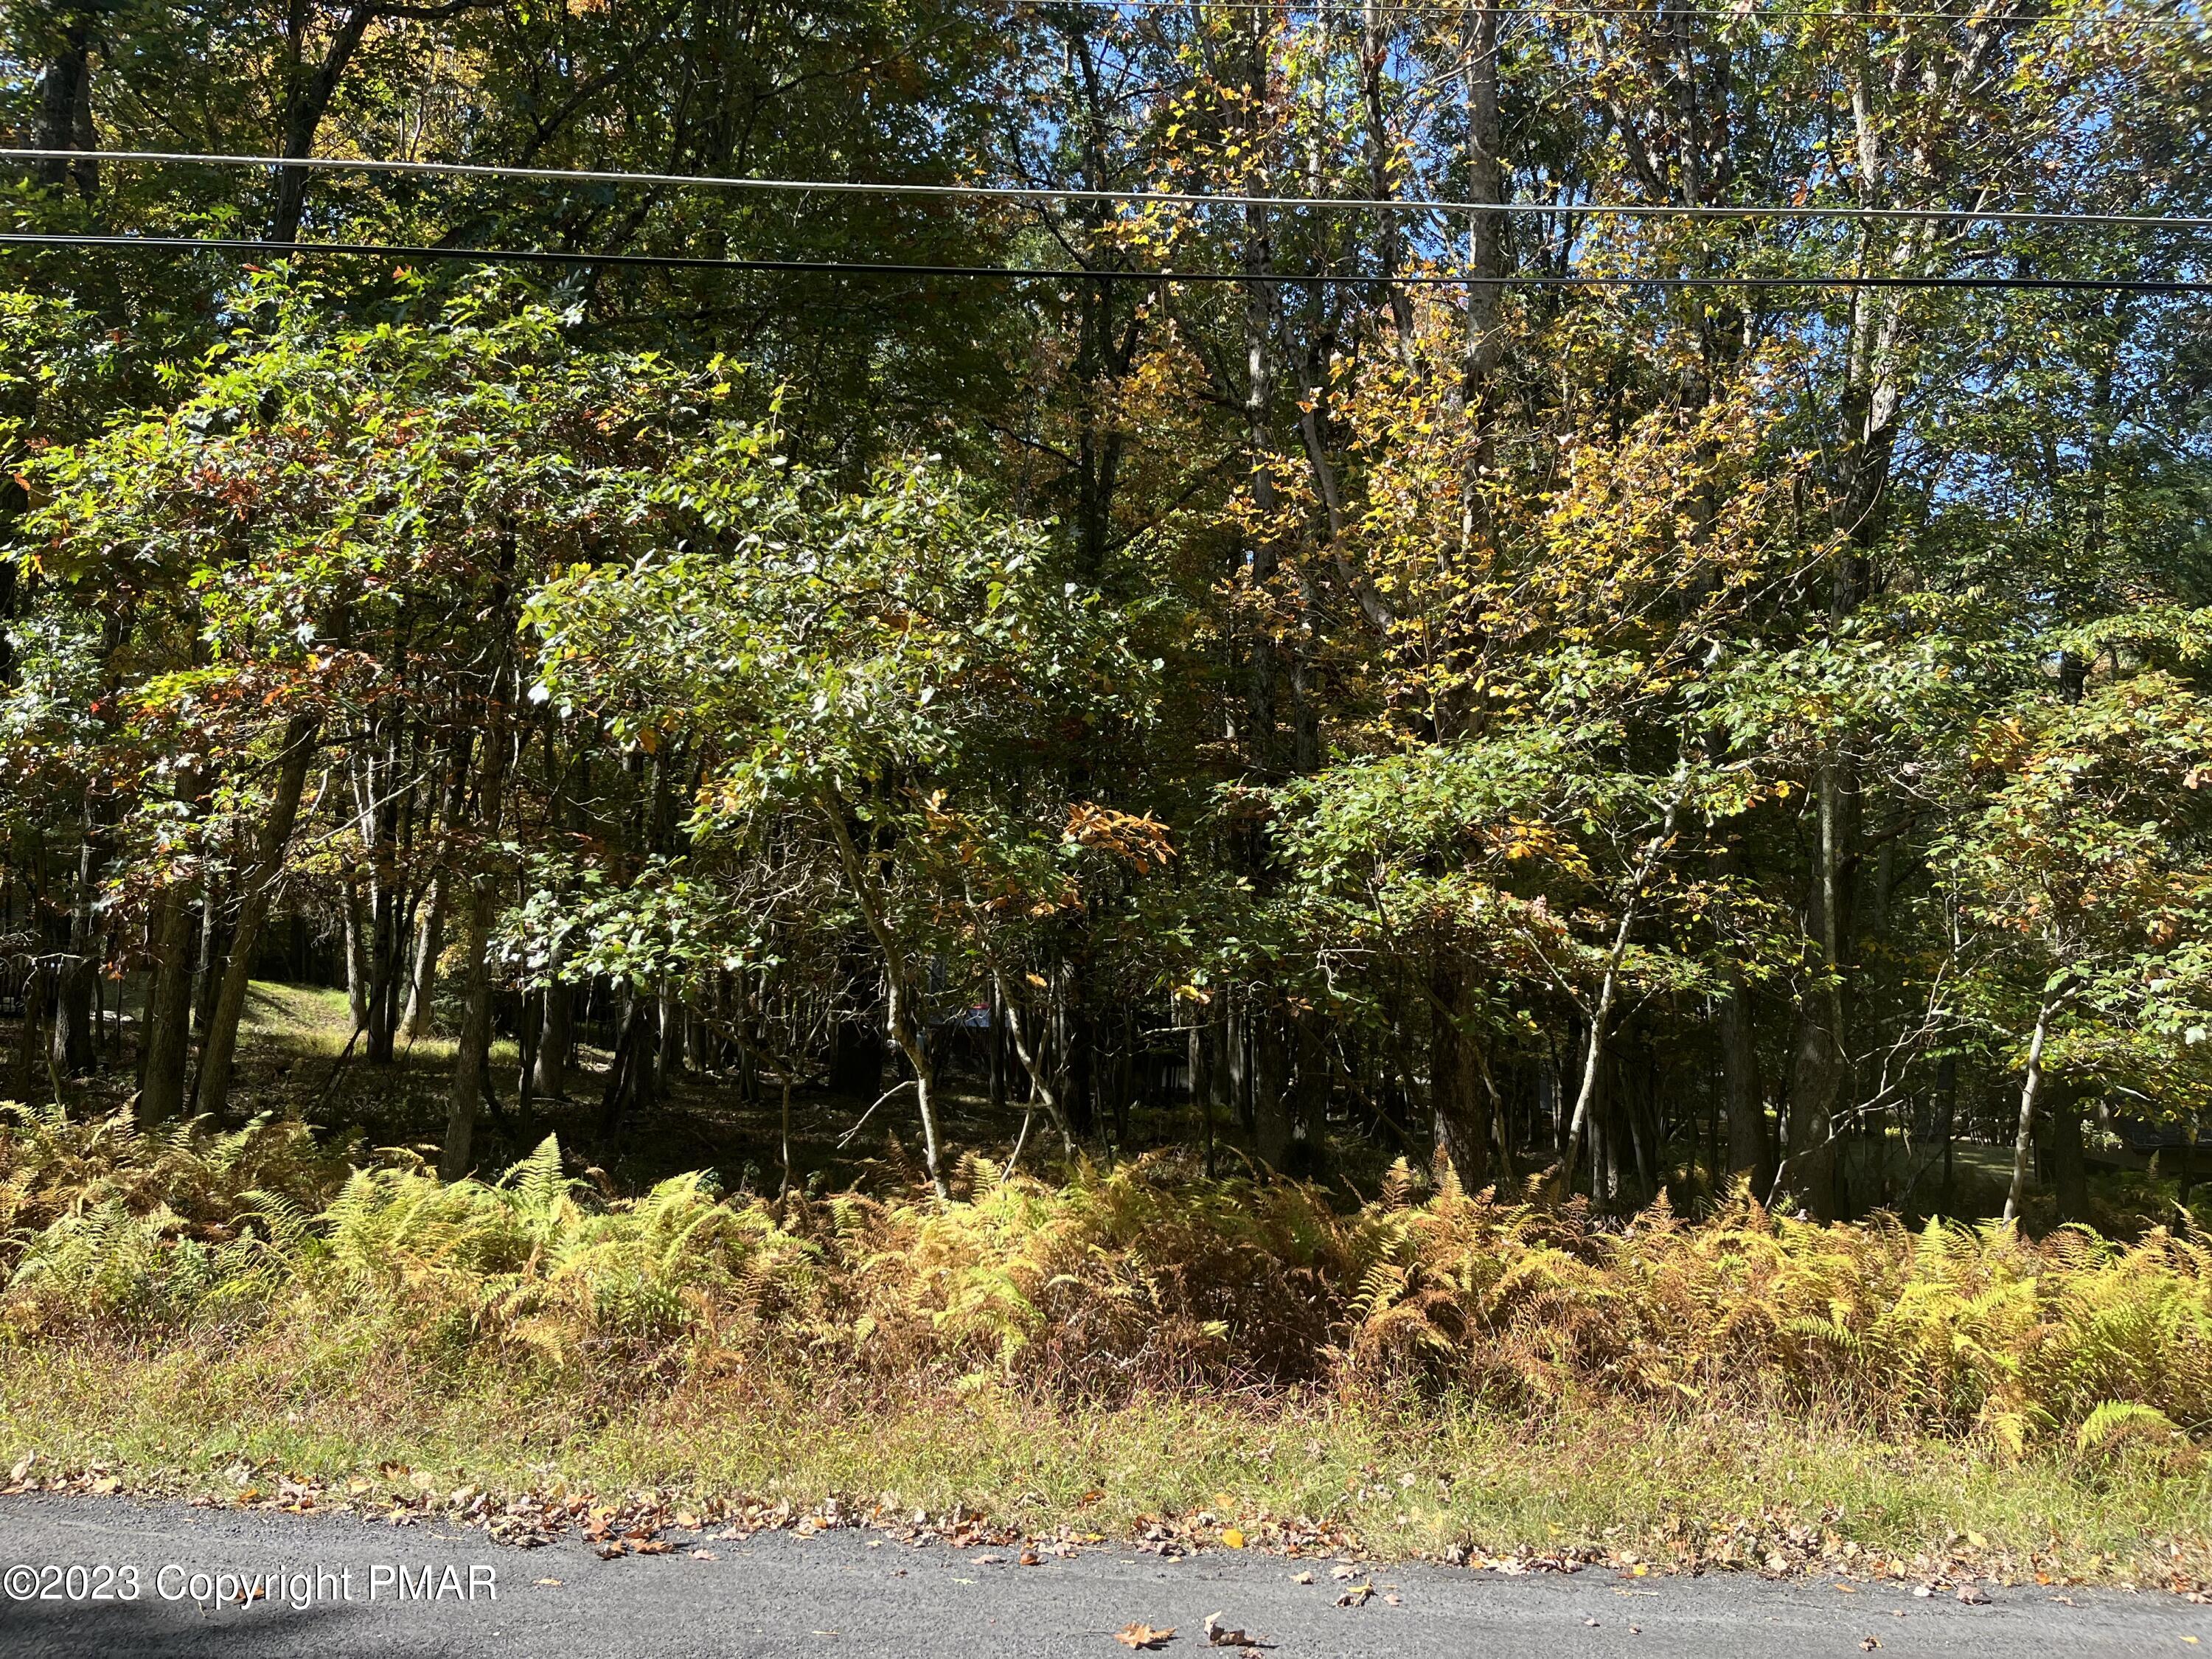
(1694, 1491)
(314, 1022)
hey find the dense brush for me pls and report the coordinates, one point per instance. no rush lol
(1142, 1276)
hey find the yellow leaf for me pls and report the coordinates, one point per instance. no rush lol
(1233, 1539)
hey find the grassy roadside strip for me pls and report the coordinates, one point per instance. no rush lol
(345, 1422)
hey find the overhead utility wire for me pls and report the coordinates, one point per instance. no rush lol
(1071, 274)
(1785, 13)
(1165, 198)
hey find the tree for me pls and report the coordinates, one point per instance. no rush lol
(865, 659)
(2086, 874)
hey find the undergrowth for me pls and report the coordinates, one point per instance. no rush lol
(1140, 1279)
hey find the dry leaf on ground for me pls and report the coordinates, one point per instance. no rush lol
(1219, 1635)
(1138, 1634)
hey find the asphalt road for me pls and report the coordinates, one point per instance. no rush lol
(839, 1595)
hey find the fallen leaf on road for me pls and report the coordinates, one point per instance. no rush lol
(1219, 1635)
(1355, 1596)
(704, 1555)
(553, 1583)
(1030, 1558)
(1869, 1643)
(1592, 1623)
(1973, 1595)
(1232, 1539)
(1343, 1572)
(1393, 1600)
(1137, 1634)
(1302, 1578)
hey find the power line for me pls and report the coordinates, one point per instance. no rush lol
(1075, 273)
(1786, 13)
(1163, 198)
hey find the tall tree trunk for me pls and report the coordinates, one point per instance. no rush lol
(169, 999)
(72, 1045)
(168, 1012)
(2023, 1144)
(555, 1041)
(307, 94)
(1374, 59)
(472, 1054)
(1042, 1091)
(1271, 1095)
(219, 1047)
(358, 977)
(1485, 178)
(65, 109)
(621, 1068)
(207, 964)
(1461, 1104)
(1946, 1091)
(1609, 986)
(1750, 1148)
(783, 1123)
(995, 1037)
(422, 978)
(2069, 1174)
(30, 1036)
(904, 1016)
(1817, 1067)
(671, 1034)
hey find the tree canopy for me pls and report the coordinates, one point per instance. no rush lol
(1597, 697)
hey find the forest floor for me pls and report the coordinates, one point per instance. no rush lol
(273, 1419)
(296, 1058)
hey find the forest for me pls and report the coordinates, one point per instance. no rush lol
(1241, 616)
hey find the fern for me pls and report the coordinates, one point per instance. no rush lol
(2114, 1420)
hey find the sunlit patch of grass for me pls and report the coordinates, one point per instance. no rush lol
(316, 1022)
